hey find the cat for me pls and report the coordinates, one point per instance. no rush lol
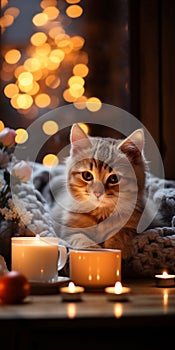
(102, 195)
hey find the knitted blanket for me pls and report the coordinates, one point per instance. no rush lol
(152, 250)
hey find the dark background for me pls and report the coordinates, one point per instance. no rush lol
(131, 48)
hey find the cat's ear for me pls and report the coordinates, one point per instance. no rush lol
(133, 145)
(78, 138)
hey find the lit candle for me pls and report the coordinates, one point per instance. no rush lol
(165, 280)
(118, 292)
(35, 257)
(71, 292)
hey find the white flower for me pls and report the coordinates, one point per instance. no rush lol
(17, 212)
(22, 171)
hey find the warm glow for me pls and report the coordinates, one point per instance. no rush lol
(57, 55)
(6, 21)
(76, 92)
(53, 62)
(13, 11)
(10, 90)
(52, 81)
(62, 40)
(24, 101)
(21, 136)
(40, 19)
(42, 51)
(46, 3)
(50, 160)
(12, 56)
(72, 1)
(13, 101)
(78, 42)
(67, 96)
(118, 310)
(38, 38)
(76, 82)
(118, 287)
(25, 79)
(32, 64)
(74, 11)
(53, 32)
(19, 70)
(42, 100)
(81, 70)
(50, 127)
(71, 287)
(93, 104)
(71, 310)
(165, 297)
(84, 127)
(1, 125)
(52, 12)
(80, 102)
(165, 274)
(34, 89)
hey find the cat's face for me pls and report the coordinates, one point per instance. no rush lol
(103, 173)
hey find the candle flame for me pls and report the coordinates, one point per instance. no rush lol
(165, 274)
(118, 287)
(71, 287)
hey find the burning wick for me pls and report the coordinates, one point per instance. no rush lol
(118, 292)
(71, 292)
(165, 280)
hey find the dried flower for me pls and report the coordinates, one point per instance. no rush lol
(22, 171)
(12, 209)
(7, 137)
(16, 212)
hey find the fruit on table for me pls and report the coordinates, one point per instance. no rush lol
(14, 287)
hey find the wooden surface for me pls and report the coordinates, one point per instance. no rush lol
(44, 321)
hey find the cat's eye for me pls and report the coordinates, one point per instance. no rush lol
(113, 179)
(87, 176)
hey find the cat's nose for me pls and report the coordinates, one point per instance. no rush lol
(98, 194)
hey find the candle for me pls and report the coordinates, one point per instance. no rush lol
(165, 280)
(37, 257)
(118, 292)
(71, 292)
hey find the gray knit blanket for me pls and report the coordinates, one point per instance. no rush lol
(153, 250)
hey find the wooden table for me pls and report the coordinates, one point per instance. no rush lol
(145, 321)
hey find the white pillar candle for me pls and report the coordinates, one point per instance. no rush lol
(36, 258)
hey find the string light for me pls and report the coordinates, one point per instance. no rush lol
(52, 66)
(33, 73)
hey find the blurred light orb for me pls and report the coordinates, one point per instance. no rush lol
(50, 127)
(21, 136)
(50, 160)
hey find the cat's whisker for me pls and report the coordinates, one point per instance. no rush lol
(101, 181)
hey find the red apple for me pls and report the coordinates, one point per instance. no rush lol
(14, 287)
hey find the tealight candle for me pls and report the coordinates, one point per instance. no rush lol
(165, 280)
(118, 292)
(71, 292)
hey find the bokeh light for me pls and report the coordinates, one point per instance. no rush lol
(50, 160)
(52, 66)
(12, 56)
(21, 136)
(50, 127)
(93, 104)
(1, 125)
